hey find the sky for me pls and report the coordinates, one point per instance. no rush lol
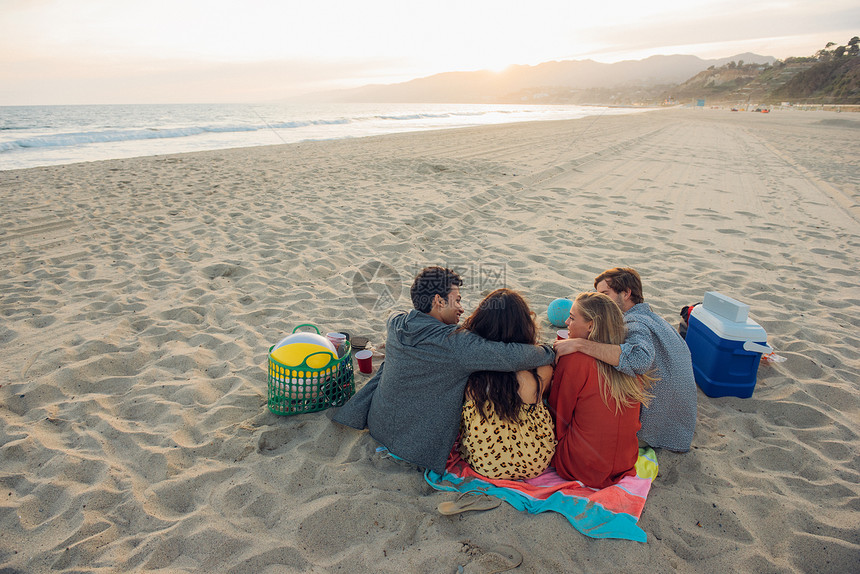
(213, 51)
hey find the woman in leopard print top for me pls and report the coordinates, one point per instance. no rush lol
(506, 430)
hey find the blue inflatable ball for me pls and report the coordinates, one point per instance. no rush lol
(558, 311)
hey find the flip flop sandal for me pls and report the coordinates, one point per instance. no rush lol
(466, 502)
(508, 553)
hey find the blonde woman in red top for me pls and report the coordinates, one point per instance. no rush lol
(596, 407)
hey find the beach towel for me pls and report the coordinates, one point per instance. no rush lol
(611, 512)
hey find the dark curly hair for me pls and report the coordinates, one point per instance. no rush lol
(432, 281)
(503, 316)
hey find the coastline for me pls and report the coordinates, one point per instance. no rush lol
(140, 297)
(38, 136)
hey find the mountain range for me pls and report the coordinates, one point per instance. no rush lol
(576, 80)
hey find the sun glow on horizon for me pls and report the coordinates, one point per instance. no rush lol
(163, 50)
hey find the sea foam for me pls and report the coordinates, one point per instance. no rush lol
(47, 135)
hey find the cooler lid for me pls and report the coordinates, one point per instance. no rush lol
(748, 330)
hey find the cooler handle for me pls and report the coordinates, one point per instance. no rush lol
(757, 348)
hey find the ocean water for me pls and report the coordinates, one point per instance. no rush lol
(32, 136)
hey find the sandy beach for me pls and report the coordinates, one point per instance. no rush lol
(140, 297)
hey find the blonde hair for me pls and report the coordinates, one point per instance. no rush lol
(608, 327)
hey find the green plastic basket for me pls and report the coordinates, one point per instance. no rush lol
(304, 389)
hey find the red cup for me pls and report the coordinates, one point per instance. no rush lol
(561, 334)
(365, 361)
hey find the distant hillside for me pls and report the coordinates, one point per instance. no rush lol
(736, 82)
(570, 81)
(831, 76)
(833, 82)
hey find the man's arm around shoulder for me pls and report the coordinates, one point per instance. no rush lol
(609, 354)
(477, 354)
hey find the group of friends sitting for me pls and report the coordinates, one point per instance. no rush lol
(622, 379)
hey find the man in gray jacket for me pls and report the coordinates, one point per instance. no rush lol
(413, 403)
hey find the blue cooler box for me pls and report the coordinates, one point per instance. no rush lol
(725, 353)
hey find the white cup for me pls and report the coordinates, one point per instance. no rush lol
(336, 339)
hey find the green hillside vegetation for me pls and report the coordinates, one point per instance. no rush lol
(834, 79)
(830, 76)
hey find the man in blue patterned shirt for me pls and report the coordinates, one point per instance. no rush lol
(652, 347)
